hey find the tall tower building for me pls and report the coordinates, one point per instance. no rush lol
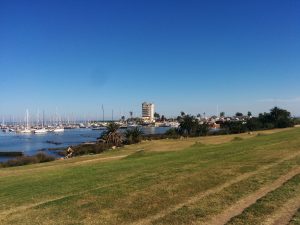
(148, 112)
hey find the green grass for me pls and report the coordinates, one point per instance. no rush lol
(202, 211)
(143, 184)
(268, 205)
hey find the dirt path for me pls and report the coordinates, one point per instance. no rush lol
(285, 214)
(244, 203)
(219, 188)
(101, 159)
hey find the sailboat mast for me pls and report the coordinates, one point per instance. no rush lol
(43, 119)
(27, 119)
(102, 113)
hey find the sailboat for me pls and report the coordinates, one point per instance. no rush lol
(27, 128)
(42, 130)
(59, 128)
(3, 127)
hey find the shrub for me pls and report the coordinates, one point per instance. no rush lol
(202, 129)
(235, 127)
(133, 135)
(91, 149)
(42, 157)
(112, 135)
(26, 160)
(173, 133)
(237, 139)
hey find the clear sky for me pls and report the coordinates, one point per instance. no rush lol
(192, 56)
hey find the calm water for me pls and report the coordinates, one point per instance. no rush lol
(29, 144)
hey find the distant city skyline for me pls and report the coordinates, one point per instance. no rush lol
(191, 56)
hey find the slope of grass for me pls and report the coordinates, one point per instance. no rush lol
(90, 190)
(268, 205)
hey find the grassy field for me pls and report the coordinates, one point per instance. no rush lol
(234, 179)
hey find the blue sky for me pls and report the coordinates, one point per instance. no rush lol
(74, 56)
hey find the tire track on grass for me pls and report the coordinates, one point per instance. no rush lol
(286, 213)
(251, 199)
(194, 199)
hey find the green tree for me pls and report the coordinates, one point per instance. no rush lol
(112, 135)
(281, 117)
(188, 125)
(222, 114)
(249, 114)
(156, 116)
(239, 114)
(202, 129)
(133, 135)
(234, 127)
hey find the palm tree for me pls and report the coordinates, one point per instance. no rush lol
(133, 135)
(112, 135)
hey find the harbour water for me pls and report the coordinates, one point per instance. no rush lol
(30, 144)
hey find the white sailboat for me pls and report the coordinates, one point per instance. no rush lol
(58, 130)
(26, 130)
(42, 130)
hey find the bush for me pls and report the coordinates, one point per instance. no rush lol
(202, 129)
(42, 157)
(91, 149)
(235, 127)
(237, 139)
(172, 133)
(296, 121)
(26, 160)
(133, 136)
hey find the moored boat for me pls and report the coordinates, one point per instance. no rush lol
(41, 131)
(58, 130)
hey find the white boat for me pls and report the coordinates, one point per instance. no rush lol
(175, 124)
(41, 131)
(81, 125)
(25, 131)
(58, 130)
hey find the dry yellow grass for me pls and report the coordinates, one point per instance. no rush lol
(180, 144)
(172, 187)
(155, 146)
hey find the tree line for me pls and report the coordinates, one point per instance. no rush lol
(192, 126)
(276, 118)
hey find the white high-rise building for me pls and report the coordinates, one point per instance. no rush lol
(148, 112)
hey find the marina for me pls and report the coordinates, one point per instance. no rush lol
(32, 142)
